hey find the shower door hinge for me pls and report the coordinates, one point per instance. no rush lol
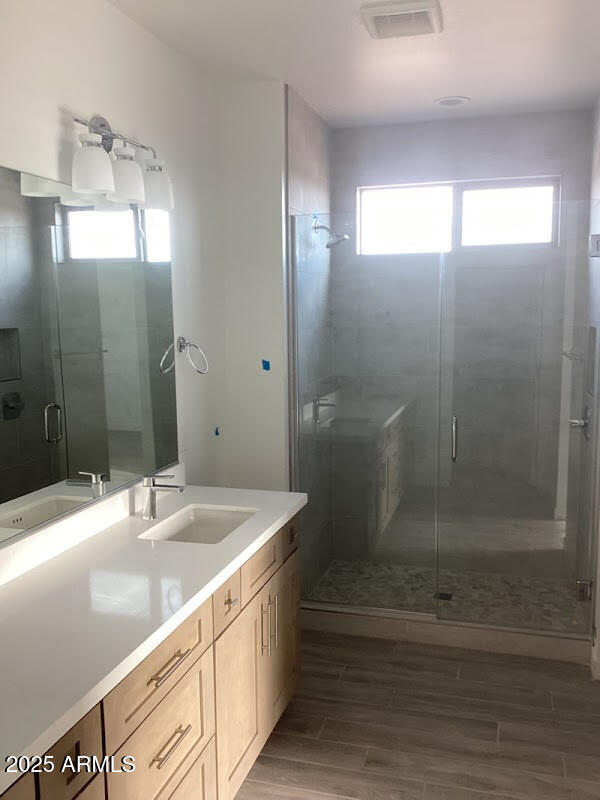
(584, 590)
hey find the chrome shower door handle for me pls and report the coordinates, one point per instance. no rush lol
(47, 408)
(454, 437)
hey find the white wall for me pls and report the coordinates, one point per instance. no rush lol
(254, 440)
(84, 57)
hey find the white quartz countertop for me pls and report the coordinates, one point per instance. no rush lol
(73, 627)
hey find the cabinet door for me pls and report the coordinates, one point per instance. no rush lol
(284, 595)
(200, 781)
(241, 656)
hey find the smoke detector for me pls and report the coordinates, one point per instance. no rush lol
(402, 18)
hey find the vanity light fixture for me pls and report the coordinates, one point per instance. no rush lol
(159, 191)
(74, 199)
(129, 181)
(92, 170)
(152, 190)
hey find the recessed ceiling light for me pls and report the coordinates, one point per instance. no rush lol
(453, 100)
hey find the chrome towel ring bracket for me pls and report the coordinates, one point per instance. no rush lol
(183, 346)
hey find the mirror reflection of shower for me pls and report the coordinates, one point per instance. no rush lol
(334, 238)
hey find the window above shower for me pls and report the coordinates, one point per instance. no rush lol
(439, 218)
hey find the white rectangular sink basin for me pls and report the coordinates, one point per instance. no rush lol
(200, 524)
(39, 511)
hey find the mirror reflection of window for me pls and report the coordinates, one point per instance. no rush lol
(158, 235)
(101, 234)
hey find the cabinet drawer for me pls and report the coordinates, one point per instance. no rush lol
(23, 789)
(227, 603)
(94, 790)
(199, 782)
(263, 564)
(133, 699)
(84, 739)
(290, 537)
(183, 723)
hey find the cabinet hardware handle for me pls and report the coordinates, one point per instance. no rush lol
(454, 438)
(275, 604)
(231, 603)
(265, 612)
(179, 735)
(293, 533)
(164, 672)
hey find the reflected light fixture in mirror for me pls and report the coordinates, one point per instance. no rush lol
(129, 181)
(32, 186)
(92, 169)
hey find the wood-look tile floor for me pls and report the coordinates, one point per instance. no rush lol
(379, 720)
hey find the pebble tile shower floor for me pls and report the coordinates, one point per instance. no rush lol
(494, 599)
(380, 720)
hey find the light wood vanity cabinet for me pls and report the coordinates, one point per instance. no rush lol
(197, 711)
(84, 739)
(23, 789)
(142, 690)
(255, 675)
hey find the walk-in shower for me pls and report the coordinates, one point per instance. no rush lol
(391, 349)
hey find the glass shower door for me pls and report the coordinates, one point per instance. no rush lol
(512, 533)
(368, 362)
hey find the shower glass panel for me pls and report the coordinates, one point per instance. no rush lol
(31, 392)
(368, 363)
(514, 533)
(390, 350)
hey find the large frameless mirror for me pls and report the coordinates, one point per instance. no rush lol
(85, 317)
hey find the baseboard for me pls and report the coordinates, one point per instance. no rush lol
(595, 665)
(447, 634)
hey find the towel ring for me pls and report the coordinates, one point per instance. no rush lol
(161, 364)
(183, 346)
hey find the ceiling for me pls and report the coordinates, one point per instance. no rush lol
(507, 55)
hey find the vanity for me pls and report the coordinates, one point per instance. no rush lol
(149, 642)
(168, 648)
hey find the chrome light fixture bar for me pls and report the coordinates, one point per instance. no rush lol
(156, 191)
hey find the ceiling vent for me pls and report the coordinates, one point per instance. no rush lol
(402, 18)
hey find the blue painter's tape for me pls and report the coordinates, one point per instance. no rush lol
(266, 365)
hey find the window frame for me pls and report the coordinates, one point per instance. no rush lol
(458, 189)
(507, 183)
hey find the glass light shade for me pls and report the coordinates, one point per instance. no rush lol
(102, 204)
(32, 186)
(129, 181)
(70, 198)
(159, 191)
(92, 168)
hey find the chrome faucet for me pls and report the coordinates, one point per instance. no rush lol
(97, 481)
(151, 489)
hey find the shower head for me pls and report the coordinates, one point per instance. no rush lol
(334, 238)
(337, 238)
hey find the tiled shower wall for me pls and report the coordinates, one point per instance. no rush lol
(26, 461)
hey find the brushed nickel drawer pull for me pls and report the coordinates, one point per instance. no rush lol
(275, 603)
(166, 671)
(179, 735)
(265, 612)
(231, 603)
